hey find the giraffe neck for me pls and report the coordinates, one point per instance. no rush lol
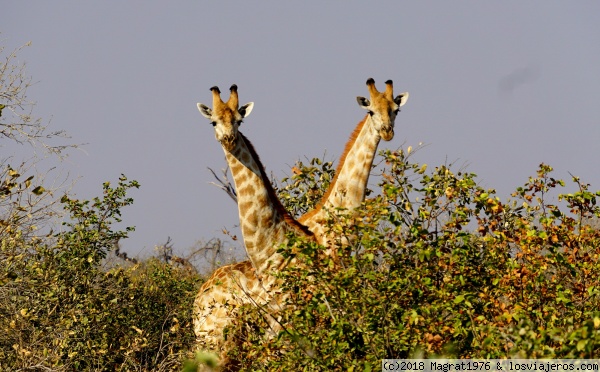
(263, 219)
(347, 189)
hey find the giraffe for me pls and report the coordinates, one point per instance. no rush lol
(347, 189)
(264, 222)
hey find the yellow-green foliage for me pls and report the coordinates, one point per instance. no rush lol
(61, 309)
(437, 265)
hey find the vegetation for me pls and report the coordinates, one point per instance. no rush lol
(66, 301)
(63, 309)
(437, 265)
(432, 264)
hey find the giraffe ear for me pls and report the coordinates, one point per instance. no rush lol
(401, 99)
(205, 110)
(363, 102)
(246, 109)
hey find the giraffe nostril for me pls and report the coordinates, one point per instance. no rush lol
(228, 141)
(387, 133)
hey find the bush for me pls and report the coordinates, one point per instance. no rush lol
(434, 265)
(63, 310)
(62, 307)
(437, 265)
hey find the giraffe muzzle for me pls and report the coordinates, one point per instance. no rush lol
(387, 133)
(228, 141)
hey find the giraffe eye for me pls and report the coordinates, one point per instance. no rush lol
(396, 111)
(213, 123)
(371, 113)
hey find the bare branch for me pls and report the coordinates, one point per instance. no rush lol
(17, 122)
(224, 184)
(165, 252)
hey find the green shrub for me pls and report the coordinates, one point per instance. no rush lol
(433, 265)
(62, 309)
(437, 265)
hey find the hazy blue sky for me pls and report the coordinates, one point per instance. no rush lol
(499, 86)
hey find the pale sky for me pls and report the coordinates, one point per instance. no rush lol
(499, 87)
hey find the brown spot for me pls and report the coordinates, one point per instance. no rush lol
(244, 206)
(266, 219)
(248, 231)
(205, 285)
(241, 178)
(246, 191)
(260, 242)
(265, 203)
(236, 168)
(245, 158)
(252, 219)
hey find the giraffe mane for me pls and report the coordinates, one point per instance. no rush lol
(287, 217)
(338, 169)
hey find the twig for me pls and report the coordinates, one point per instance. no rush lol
(224, 184)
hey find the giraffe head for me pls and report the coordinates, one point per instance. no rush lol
(226, 117)
(383, 107)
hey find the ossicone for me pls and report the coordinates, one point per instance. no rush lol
(389, 90)
(373, 92)
(233, 101)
